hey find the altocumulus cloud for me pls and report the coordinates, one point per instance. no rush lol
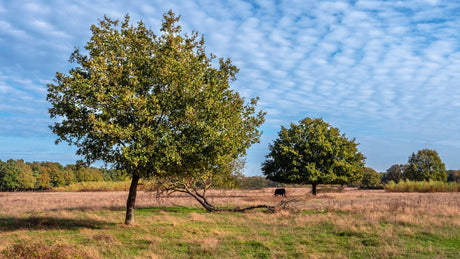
(384, 72)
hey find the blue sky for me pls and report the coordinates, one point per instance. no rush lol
(384, 72)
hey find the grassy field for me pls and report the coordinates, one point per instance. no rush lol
(348, 224)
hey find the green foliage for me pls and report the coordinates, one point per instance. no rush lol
(152, 105)
(26, 176)
(453, 176)
(425, 165)
(314, 153)
(422, 186)
(371, 179)
(9, 172)
(55, 173)
(114, 175)
(94, 186)
(395, 173)
(83, 173)
(44, 181)
(254, 182)
(18, 175)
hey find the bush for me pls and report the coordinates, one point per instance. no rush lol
(94, 186)
(422, 186)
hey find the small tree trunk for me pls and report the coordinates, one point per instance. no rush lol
(313, 190)
(129, 220)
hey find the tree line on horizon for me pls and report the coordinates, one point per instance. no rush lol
(17, 175)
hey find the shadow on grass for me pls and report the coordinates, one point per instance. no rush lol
(50, 223)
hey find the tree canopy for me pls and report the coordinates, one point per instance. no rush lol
(313, 152)
(424, 166)
(395, 173)
(152, 105)
(371, 179)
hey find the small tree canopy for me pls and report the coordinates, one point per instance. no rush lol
(313, 152)
(152, 105)
(424, 166)
(371, 179)
(395, 173)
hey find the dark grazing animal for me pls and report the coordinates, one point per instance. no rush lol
(281, 192)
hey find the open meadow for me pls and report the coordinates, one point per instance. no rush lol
(347, 224)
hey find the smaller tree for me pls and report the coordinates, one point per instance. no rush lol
(395, 173)
(313, 152)
(371, 179)
(424, 166)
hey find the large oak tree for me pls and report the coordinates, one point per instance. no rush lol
(313, 152)
(152, 105)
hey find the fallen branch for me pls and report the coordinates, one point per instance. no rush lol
(270, 208)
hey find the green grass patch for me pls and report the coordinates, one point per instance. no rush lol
(191, 232)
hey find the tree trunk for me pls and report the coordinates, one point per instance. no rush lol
(129, 220)
(313, 190)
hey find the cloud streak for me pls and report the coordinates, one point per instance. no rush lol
(385, 72)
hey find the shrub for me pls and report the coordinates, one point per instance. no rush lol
(94, 186)
(422, 186)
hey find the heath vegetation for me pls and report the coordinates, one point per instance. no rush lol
(347, 224)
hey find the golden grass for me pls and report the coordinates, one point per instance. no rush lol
(338, 225)
(351, 200)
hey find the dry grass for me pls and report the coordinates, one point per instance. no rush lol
(352, 223)
(369, 202)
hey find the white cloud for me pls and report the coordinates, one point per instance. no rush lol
(372, 67)
(9, 29)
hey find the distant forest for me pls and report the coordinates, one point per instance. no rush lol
(17, 175)
(20, 175)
